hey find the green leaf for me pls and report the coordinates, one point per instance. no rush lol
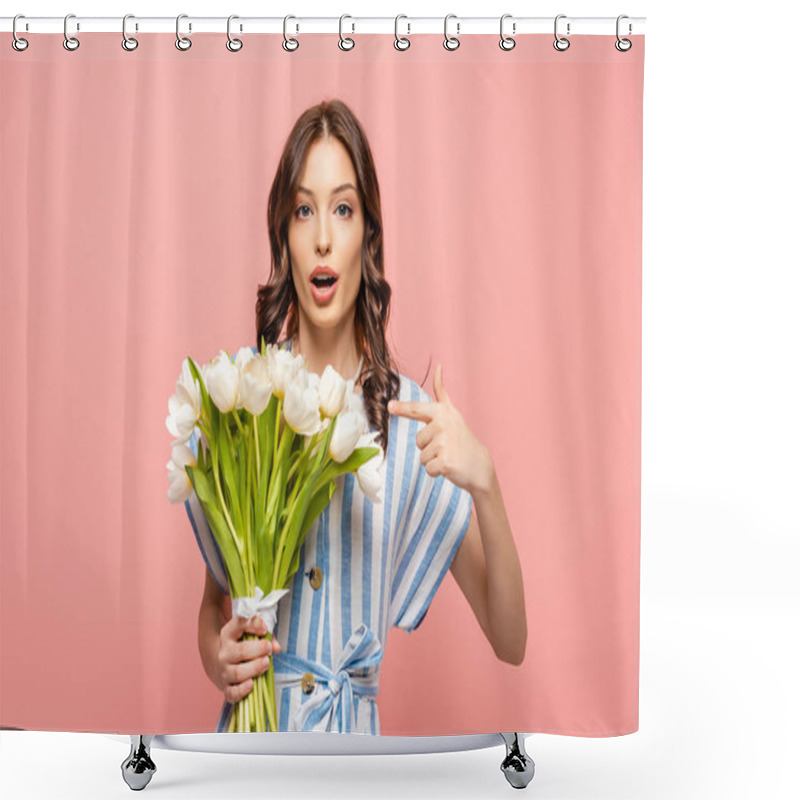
(357, 458)
(197, 375)
(266, 556)
(265, 447)
(304, 516)
(317, 505)
(292, 567)
(230, 555)
(229, 476)
(203, 484)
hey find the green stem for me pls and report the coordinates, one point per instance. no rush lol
(247, 561)
(316, 470)
(277, 431)
(302, 459)
(281, 544)
(271, 691)
(269, 688)
(247, 514)
(227, 516)
(258, 452)
(238, 421)
(260, 714)
(203, 427)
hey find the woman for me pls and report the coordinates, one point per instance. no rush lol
(364, 567)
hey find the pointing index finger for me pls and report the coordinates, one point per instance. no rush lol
(414, 410)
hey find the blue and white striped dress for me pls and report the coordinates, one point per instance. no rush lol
(381, 565)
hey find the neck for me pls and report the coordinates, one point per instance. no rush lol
(319, 349)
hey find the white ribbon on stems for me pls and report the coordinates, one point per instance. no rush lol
(265, 606)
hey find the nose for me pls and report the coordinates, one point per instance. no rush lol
(323, 236)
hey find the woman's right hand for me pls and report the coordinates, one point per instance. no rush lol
(241, 661)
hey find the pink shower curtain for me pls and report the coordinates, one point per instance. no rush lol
(134, 233)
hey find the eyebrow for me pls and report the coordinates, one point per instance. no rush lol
(335, 191)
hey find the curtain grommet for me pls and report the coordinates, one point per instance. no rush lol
(451, 42)
(345, 42)
(129, 43)
(561, 43)
(507, 42)
(289, 43)
(401, 42)
(17, 42)
(70, 42)
(233, 44)
(183, 43)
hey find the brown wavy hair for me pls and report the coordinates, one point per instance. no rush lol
(277, 299)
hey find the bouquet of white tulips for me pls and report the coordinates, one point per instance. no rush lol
(273, 438)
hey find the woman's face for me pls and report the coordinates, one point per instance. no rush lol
(326, 229)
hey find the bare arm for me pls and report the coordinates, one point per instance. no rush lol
(210, 621)
(487, 569)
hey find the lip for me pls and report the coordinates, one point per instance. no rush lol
(323, 295)
(320, 294)
(325, 271)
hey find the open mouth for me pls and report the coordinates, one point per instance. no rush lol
(323, 283)
(323, 288)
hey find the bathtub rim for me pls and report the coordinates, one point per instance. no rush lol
(303, 743)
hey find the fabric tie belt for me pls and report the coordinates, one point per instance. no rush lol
(362, 653)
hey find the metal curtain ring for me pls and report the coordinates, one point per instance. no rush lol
(233, 44)
(623, 45)
(289, 43)
(451, 42)
(400, 42)
(17, 42)
(182, 42)
(560, 42)
(506, 42)
(70, 42)
(128, 42)
(345, 42)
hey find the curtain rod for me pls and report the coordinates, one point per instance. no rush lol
(349, 24)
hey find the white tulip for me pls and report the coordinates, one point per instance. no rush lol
(222, 381)
(283, 368)
(370, 475)
(353, 401)
(349, 427)
(181, 419)
(313, 381)
(180, 487)
(332, 391)
(185, 405)
(255, 385)
(188, 386)
(301, 405)
(324, 425)
(241, 358)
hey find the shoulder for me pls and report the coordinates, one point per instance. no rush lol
(410, 390)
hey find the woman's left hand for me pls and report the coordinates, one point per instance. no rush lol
(448, 446)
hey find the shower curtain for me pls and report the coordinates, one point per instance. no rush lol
(135, 233)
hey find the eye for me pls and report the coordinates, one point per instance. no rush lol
(299, 209)
(345, 206)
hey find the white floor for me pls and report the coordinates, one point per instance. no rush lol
(719, 701)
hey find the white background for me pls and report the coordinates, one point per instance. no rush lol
(720, 442)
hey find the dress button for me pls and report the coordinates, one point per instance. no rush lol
(308, 683)
(315, 576)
